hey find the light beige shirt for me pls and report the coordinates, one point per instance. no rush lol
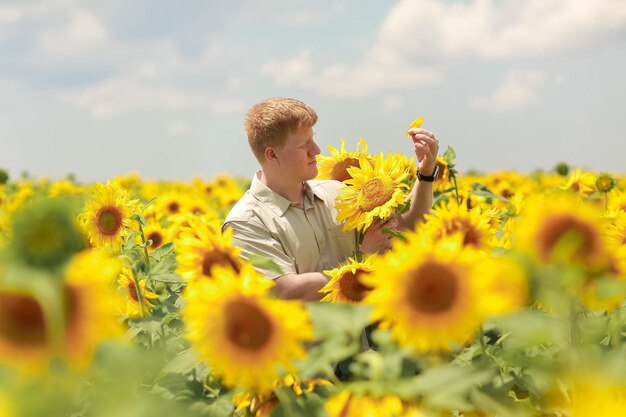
(298, 238)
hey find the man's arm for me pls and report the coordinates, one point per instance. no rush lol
(426, 148)
(421, 203)
(254, 238)
(304, 287)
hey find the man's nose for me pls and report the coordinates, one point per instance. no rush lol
(316, 149)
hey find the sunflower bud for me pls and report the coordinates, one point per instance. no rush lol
(605, 183)
(45, 233)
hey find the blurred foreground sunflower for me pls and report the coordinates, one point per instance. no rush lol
(242, 334)
(424, 293)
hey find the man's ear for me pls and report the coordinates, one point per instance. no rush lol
(270, 154)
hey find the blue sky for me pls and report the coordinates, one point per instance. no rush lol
(102, 88)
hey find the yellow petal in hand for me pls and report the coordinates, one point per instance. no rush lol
(416, 123)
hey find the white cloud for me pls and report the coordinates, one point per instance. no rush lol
(9, 14)
(392, 102)
(177, 128)
(519, 89)
(339, 80)
(227, 106)
(499, 29)
(84, 32)
(121, 95)
(420, 39)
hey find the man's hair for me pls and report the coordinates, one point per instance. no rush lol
(269, 122)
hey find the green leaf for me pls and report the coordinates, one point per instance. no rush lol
(482, 191)
(446, 387)
(449, 155)
(264, 262)
(182, 363)
(222, 406)
(170, 278)
(148, 204)
(395, 233)
(163, 250)
(333, 318)
(139, 219)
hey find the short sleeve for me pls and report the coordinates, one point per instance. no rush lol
(252, 238)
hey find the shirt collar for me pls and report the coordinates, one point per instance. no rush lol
(277, 202)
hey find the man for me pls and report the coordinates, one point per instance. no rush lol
(291, 219)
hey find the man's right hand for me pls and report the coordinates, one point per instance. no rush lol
(377, 241)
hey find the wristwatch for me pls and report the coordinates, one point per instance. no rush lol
(428, 178)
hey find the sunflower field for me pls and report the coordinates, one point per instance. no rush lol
(126, 298)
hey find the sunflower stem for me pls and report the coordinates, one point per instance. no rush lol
(616, 337)
(456, 188)
(139, 293)
(483, 345)
(145, 249)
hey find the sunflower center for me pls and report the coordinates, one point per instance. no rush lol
(156, 238)
(376, 192)
(247, 326)
(173, 207)
(471, 236)
(340, 170)
(132, 290)
(21, 320)
(218, 257)
(109, 220)
(433, 288)
(351, 287)
(566, 234)
(72, 300)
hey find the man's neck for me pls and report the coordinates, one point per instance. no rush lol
(292, 191)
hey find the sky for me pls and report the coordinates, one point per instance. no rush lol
(101, 88)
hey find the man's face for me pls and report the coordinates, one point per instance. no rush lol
(298, 155)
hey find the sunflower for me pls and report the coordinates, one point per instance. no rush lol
(442, 182)
(372, 193)
(598, 396)
(559, 228)
(242, 334)
(617, 200)
(345, 284)
(223, 191)
(156, 233)
(135, 308)
(91, 310)
(93, 304)
(200, 248)
(107, 216)
(45, 232)
(475, 225)
(350, 404)
(172, 203)
(423, 292)
(334, 167)
(6, 406)
(581, 183)
(503, 284)
(63, 187)
(615, 230)
(23, 339)
(263, 404)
